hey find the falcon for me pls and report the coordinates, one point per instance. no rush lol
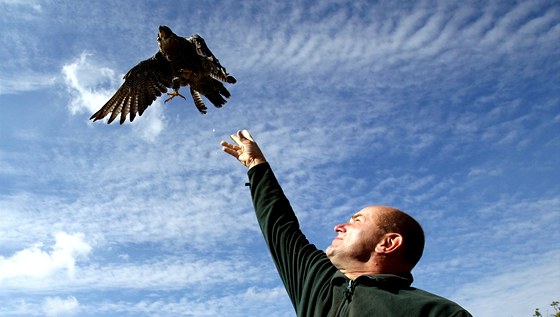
(180, 62)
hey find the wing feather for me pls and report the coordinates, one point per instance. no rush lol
(134, 107)
(142, 85)
(209, 61)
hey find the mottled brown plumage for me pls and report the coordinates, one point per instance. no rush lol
(179, 62)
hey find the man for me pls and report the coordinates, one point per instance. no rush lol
(366, 269)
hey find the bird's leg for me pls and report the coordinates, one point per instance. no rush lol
(175, 92)
(186, 72)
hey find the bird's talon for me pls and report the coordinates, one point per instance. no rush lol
(173, 95)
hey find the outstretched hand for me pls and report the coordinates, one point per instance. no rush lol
(246, 151)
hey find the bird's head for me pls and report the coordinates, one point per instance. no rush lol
(164, 32)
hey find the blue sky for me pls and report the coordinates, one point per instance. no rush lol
(449, 110)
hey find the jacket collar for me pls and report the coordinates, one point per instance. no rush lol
(384, 281)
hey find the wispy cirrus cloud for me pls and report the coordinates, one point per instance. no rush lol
(57, 306)
(488, 297)
(35, 5)
(26, 81)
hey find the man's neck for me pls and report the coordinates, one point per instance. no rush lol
(355, 272)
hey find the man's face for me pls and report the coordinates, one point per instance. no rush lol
(356, 239)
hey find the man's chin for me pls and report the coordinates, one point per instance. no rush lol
(329, 251)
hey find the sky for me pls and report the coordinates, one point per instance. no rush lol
(448, 110)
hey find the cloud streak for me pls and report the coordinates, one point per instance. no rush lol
(56, 306)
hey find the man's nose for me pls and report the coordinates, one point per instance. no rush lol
(340, 228)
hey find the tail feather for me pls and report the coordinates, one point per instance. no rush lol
(198, 101)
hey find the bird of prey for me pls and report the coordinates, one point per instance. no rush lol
(179, 62)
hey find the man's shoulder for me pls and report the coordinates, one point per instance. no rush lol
(437, 303)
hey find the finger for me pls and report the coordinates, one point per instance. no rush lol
(240, 135)
(230, 146)
(247, 135)
(231, 152)
(224, 143)
(231, 149)
(236, 139)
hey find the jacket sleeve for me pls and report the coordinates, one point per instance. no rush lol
(461, 313)
(302, 267)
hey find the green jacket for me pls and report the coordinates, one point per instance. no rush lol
(316, 288)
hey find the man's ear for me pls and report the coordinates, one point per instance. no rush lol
(389, 243)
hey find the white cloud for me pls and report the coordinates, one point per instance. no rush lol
(515, 292)
(241, 301)
(477, 171)
(151, 124)
(35, 262)
(25, 81)
(91, 85)
(83, 79)
(56, 306)
(23, 3)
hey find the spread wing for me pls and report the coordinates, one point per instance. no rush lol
(209, 61)
(142, 85)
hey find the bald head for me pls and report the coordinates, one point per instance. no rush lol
(392, 220)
